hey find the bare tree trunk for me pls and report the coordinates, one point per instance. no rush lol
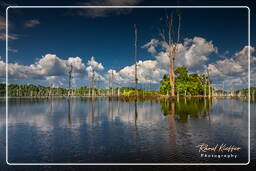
(209, 84)
(89, 86)
(69, 80)
(135, 59)
(93, 75)
(112, 76)
(172, 48)
(171, 72)
(108, 86)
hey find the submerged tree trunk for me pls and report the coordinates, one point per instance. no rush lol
(171, 72)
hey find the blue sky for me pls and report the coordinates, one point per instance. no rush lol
(110, 38)
(107, 35)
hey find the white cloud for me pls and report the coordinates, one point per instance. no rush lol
(92, 67)
(147, 71)
(151, 46)
(46, 68)
(31, 23)
(236, 65)
(233, 71)
(94, 64)
(195, 52)
(191, 53)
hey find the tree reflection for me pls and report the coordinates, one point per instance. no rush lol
(183, 108)
(69, 113)
(91, 108)
(172, 127)
(136, 127)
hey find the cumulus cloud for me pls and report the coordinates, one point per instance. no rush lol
(235, 65)
(148, 71)
(94, 64)
(151, 46)
(233, 71)
(31, 23)
(104, 12)
(92, 67)
(46, 68)
(191, 53)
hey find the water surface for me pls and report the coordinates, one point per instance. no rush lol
(85, 130)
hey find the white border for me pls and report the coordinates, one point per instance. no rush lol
(249, 70)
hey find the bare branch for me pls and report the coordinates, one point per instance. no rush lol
(169, 28)
(162, 34)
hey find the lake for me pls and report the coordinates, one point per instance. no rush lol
(114, 130)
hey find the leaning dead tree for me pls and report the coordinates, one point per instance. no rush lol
(135, 60)
(70, 79)
(168, 40)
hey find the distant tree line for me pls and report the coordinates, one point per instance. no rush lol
(18, 90)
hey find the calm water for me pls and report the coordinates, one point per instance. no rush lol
(83, 130)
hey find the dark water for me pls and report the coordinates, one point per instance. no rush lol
(84, 130)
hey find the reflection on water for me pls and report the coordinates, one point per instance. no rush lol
(185, 108)
(120, 130)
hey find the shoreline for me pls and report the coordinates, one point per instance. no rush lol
(127, 97)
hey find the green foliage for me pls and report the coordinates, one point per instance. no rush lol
(15, 90)
(165, 85)
(140, 93)
(185, 84)
(37, 91)
(245, 92)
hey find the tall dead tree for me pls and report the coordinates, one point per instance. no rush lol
(89, 85)
(98, 87)
(70, 79)
(112, 81)
(209, 83)
(172, 47)
(135, 59)
(93, 82)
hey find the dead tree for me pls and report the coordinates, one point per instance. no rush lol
(89, 85)
(98, 87)
(108, 85)
(93, 81)
(70, 79)
(209, 83)
(172, 47)
(135, 60)
(112, 81)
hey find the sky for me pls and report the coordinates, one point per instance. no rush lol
(43, 43)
